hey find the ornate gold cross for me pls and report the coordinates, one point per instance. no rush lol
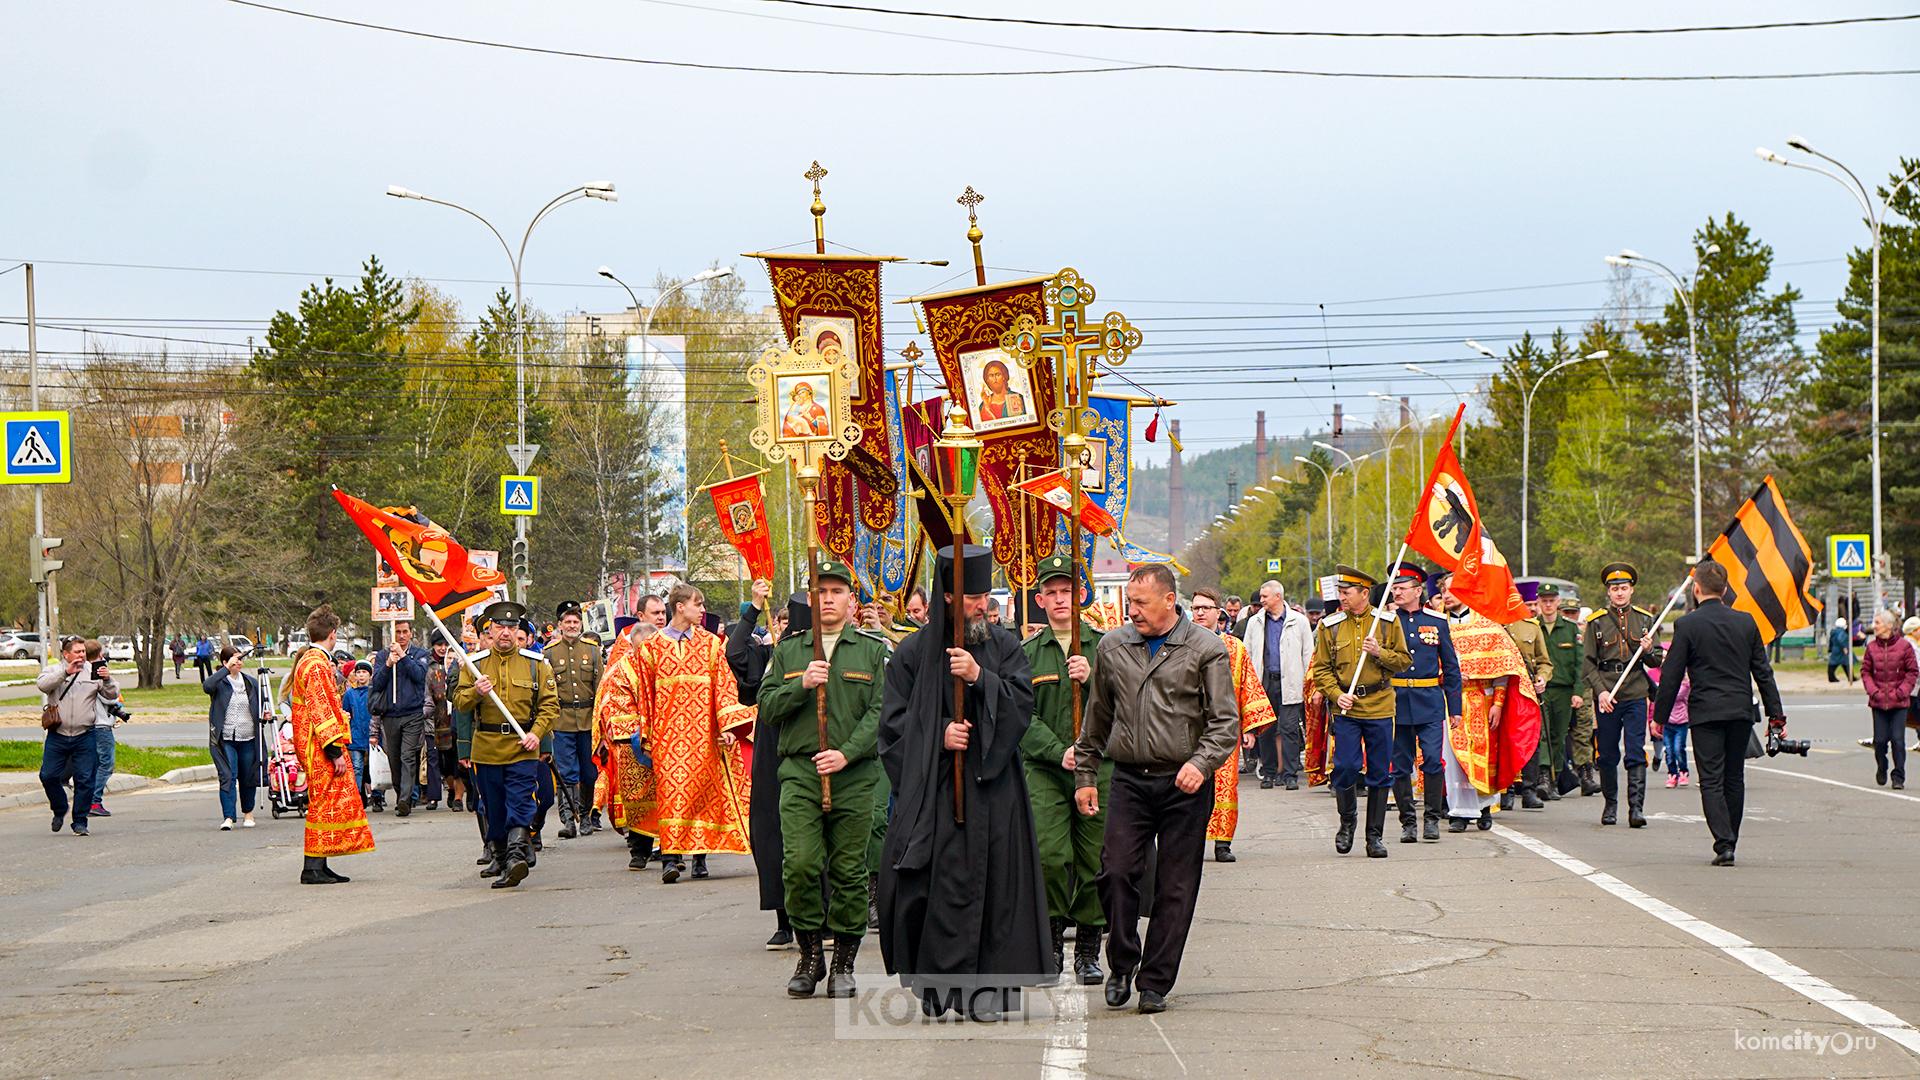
(815, 173)
(1072, 345)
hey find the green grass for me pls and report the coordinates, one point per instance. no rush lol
(20, 755)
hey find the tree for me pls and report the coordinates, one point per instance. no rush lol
(1830, 486)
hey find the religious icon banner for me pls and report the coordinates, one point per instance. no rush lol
(1007, 405)
(742, 505)
(880, 555)
(833, 303)
(1104, 466)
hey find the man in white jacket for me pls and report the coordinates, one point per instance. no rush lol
(1280, 646)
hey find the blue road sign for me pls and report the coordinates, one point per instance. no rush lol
(39, 448)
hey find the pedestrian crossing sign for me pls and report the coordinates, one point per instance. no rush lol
(39, 448)
(1848, 555)
(520, 496)
(1273, 566)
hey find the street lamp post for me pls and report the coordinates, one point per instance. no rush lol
(1351, 465)
(1684, 290)
(1460, 439)
(1326, 482)
(1526, 440)
(596, 189)
(1876, 220)
(646, 327)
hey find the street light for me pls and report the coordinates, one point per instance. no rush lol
(1354, 473)
(594, 189)
(1326, 483)
(646, 327)
(1526, 439)
(1876, 221)
(1460, 441)
(1684, 290)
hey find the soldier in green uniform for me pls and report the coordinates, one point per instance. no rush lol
(1362, 721)
(1562, 640)
(834, 839)
(1612, 636)
(1070, 841)
(577, 666)
(505, 766)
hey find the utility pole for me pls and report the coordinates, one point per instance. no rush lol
(47, 614)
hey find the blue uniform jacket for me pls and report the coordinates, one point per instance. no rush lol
(1431, 644)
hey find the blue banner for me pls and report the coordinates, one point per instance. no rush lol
(1103, 473)
(880, 558)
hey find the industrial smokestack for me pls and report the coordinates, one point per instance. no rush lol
(1260, 473)
(1176, 493)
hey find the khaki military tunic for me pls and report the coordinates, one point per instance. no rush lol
(1336, 648)
(1612, 636)
(524, 682)
(577, 667)
(1531, 638)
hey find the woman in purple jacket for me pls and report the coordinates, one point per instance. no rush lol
(1889, 672)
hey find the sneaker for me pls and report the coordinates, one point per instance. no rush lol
(248, 822)
(1684, 777)
(80, 828)
(1673, 780)
(226, 825)
(96, 810)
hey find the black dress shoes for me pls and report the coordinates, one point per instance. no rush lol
(1119, 989)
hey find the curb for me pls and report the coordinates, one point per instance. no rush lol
(120, 784)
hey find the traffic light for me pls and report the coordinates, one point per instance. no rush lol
(519, 559)
(38, 565)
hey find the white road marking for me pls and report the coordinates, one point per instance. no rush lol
(1835, 783)
(1791, 976)
(1163, 1038)
(1066, 1053)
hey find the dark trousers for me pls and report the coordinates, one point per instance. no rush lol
(507, 795)
(72, 757)
(1362, 748)
(400, 737)
(1890, 737)
(243, 765)
(1281, 743)
(1624, 730)
(573, 757)
(1424, 735)
(1720, 760)
(1141, 810)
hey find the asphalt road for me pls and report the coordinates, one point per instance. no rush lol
(1548, 947)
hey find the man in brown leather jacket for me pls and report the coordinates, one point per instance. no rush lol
(1163, 711)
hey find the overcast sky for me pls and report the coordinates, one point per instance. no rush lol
(201, 133)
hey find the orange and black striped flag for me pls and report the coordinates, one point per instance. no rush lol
(1768, 563)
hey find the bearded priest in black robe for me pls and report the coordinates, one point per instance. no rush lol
(963, 910)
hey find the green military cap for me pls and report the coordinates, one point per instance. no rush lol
(1549, 591)
(1348, 576)
(1054, 566)
(832, 569)
(1569, 603)
(1613, 573)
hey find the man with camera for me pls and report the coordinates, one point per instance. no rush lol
(75, 692)
(1721, 651)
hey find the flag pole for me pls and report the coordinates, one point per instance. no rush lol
(1657, 619)
(1375, 624)
(460, 653)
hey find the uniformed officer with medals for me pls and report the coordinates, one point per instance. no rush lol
(1426, 695)
(506, 767)
(824, 828)
(577, 666)
(1363, 718)
(1613, 634)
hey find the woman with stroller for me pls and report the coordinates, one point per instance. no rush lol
(233, 729)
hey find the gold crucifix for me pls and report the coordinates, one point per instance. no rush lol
(815, 173)
(970, 199)
(1073, 346)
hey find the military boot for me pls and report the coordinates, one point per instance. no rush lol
(1403, 797)
(639, 849)
(568, 830)
(588, 814)
(1530, 789)
(1376, 822)
(1589, 784)
(1636, 796)
(812, 966)
(486, 854)
(1058, 926)
(1086, 955)
(517, 862)
(1349, 806)
(840, 981)
(1610, 793)
(496, 860)
(1430, 811)
(873, 901)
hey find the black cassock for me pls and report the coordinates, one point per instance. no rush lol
(748, 659)
(960, 905)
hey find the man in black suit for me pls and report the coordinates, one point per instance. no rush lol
(1720, 650)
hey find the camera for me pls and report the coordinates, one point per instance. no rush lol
(1777, 745)
(99, 670)
(119, 711)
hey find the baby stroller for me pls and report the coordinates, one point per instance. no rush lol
(286, 784)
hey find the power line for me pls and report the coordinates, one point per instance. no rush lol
(1363, 34)
(1108, 69)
